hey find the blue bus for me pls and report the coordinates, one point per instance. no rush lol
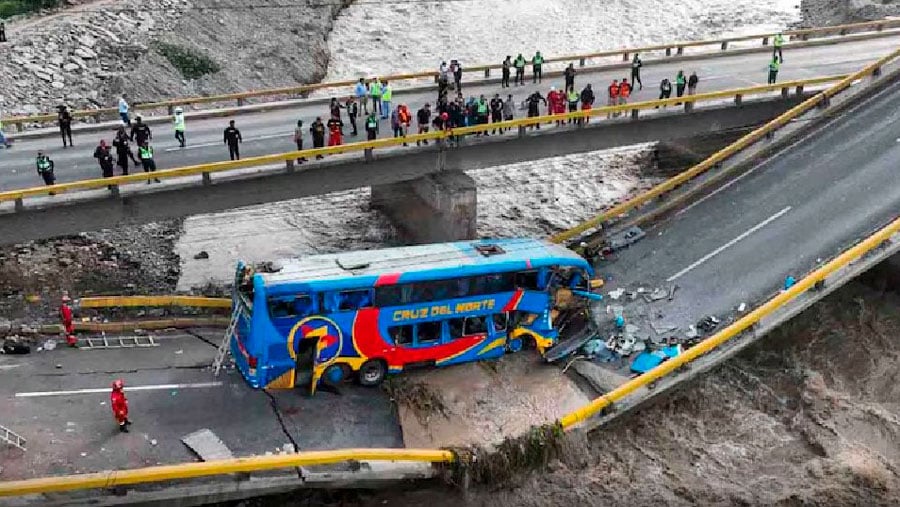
(366, 314)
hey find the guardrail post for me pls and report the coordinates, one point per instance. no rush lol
(876, 71)
(843, 31)
(688, 106)
(207, 180)
(825, 102)
(784, 92)
(19, 127)
(738, 98)
(240, 102)
(19, 204)
(765, 41)
(668, 51)
(634, 114)
(625, 56)
(171, 110)
(97, 117)
(521, 130)
(289, 165)
(799, 90)
(368, 154)
(114, 191)
(804, 37)
(680, 50)
(581, 62)
(724, 45)
(770, 135)
(879, 28)
(487, 72)
(437, 78)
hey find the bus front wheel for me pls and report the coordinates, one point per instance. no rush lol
(372, 373)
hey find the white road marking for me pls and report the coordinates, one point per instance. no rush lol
(719, 250)
(39, 394)
(207, 145)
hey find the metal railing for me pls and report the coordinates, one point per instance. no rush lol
(676, 48)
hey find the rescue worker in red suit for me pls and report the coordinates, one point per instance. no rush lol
(65, 313)
(335, 131)
(556, 102)
(119, 405)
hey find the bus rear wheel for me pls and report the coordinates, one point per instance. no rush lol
(372, 373)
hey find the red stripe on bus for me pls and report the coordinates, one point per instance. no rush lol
(388, 279)
(514, 301)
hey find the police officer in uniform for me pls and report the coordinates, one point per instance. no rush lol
(232, 137)
(45, 168)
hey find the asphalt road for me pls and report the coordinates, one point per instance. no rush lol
(75, 431)
(784, 218)
(271, 132)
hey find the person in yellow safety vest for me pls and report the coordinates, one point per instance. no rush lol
(519, 64)
(179, 126)
(482, 109)
(773, 70)
(375, 90)
(536, 62)
(572, 98)
(145, 154)
(386, 94)
(776, 47)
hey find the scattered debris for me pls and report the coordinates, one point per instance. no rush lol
(13, 347)
(153, 442)
(207, 445)
(616, 294)
(12, 438)
(742, 307)
(707, 324)
(647, 360)
(672, 292)
(416, 396)
(662, 329)
(789, 282)
(625, 238)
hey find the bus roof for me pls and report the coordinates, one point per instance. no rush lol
(419, 263)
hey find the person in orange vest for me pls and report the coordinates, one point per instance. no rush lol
(119, 404)
(405, 118)
(624, 91)
(335, 131)
(65, 313)
(613, 95)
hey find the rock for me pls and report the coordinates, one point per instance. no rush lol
(202, 255)
(58, 85)
(85, 53)
(71, 67)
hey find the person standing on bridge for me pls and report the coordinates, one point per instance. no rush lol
(692, 82)
(119, 404)
(68, 324)
(298, 139)
(375, 88)
(665, 90)
(537, 62)
(372, 126)
(361, 91)
(636, 65)
(104, 158)
(387, 94)
(613, 95)
(352, 112)
(317, 131)
(624, 91)
(572, 98)
(232, 137)
(778, 42)
(145, 153)
(774, 65)
(45, 168)
(335, 131)
(569, 74)
(519, 64)
(509, 108)
(123, 110)
(179, 126)
(456, 67)
(3, 140)
(64, 120)
(335, 108)
(507, 65)
(496, 112)
(2, 31)
(587, 100)
(534, 103)
(680, 82)
(423, 119)
(140, 132)
(123, 150)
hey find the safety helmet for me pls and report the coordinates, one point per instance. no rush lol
(118, 384)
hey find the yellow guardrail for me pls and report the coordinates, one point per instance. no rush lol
(721, 155)
(742, 324)
(115, 478)
(138, 301)
(218, 167)
(240, 97)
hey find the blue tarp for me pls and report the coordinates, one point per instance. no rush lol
(646, 360)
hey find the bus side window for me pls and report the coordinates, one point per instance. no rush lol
(475, 325)
(456, 328)
(281, 307)
(501, 320)
(354, 299)
(391, 295)
(303, 305)
(428, 333)
(527, 280)
(402, 335)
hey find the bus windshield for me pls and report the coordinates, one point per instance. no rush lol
(364, 315)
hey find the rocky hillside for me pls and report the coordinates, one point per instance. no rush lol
(90, 52)
(836, 12)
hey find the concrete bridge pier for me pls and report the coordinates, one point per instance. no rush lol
(433, 208)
